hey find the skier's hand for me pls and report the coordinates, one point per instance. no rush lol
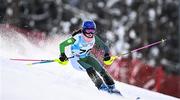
(107, 57)
(63, 57)
(109, 60)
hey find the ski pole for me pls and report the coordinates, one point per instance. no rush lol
(40, 61)
(144, 47)
(27, 59)
(135, 50)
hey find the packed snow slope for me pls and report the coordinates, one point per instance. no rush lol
(51, 81)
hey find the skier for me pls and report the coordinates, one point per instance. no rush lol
(82, 41)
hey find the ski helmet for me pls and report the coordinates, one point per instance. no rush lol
(88, 25)
(88, 28)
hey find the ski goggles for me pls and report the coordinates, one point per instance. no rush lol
(89, 31)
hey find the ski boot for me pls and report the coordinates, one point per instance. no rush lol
(112, 90)
(103, 87)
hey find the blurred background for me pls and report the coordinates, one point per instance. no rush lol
(123, 24)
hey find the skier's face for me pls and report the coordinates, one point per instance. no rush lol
(89, 33)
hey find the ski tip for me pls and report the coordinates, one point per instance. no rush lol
(138, 98)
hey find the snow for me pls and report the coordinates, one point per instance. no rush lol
(53, 81)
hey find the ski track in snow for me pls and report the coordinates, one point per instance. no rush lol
(53, 81)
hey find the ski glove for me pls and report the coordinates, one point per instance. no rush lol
(106, 57)
(109, 60)
(63, 57)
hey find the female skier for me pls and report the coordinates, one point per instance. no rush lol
(82, 41)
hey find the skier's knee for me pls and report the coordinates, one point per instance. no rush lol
(107, 78)
(103, 72)
(94, 77)
(91, 72)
